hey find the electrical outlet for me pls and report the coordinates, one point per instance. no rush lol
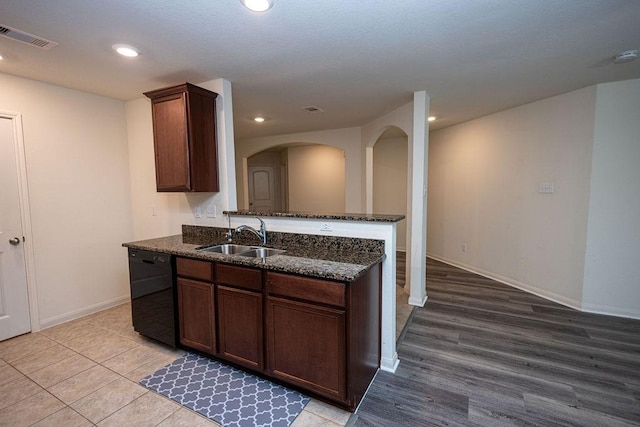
(211, 211)
(154, 210)
(197, 212)
(464, 247)
(325, 226)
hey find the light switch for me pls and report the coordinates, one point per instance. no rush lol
(197, 212)
(546, 188)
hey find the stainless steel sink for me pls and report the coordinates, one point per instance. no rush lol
(242, 250)
(227, 249)
(261, 252)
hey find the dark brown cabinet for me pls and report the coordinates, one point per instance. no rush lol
(306, 346)
(240, 315)
(322, 335)
(196, 302)
(184, 134)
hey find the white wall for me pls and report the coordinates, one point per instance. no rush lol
(174, 209)
(390, 181)
(78, 178)
(483, 192)
(316, 175)
(612, 270)
(348, 139)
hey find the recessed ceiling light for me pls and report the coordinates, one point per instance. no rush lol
(257, 5)
(126, 50)
(1, 58)
(626, 56)
(432, 118)
(260, 119)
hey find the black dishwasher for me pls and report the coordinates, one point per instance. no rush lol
(152, 295)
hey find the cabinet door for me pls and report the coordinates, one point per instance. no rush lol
(240, 327)
(195, 311)
(171, 143)
(184, 129)
(306, 346)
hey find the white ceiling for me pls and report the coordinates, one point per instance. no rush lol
(355, 59)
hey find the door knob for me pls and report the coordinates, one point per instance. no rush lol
(14, 241)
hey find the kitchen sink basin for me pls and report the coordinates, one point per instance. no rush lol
(242, 250)
(261, 252)
(227, 249)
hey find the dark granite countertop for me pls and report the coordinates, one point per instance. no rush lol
(329, 216)
(328, 257)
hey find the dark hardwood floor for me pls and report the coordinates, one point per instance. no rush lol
(483, 353)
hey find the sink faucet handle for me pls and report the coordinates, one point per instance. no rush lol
(263, 231)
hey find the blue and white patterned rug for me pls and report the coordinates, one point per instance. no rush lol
(226, 395)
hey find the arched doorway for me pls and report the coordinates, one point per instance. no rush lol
(390, 177)
(296, 177)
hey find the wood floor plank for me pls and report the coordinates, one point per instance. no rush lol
(590, 363)
(600, 401)
(416, 399)
(498, 374)
(518, 323)
(483, 353)
(570, 414)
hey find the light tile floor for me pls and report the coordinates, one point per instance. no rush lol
(85, 372)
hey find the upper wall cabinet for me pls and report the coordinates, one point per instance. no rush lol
(184, 134)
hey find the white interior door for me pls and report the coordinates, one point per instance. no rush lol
(261, 188)
(14, 297)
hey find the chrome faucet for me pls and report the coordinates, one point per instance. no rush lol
(262, 234)
(229, 233)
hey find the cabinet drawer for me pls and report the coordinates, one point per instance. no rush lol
(194, 269)
(241, 277)
(304, 288)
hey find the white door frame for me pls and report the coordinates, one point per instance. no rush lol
(25, 215)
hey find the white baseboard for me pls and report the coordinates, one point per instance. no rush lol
(543, 293)
(611, 311)
(56, 320)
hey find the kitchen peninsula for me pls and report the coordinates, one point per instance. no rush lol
(315, 305)
(354, 225)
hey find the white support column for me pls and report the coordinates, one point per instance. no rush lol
(369, 179)
(389, 356)
(228, 146)
(245, 183)
(418, 218)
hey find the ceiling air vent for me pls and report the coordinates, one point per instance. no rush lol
(21, 36)
(313, 109)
